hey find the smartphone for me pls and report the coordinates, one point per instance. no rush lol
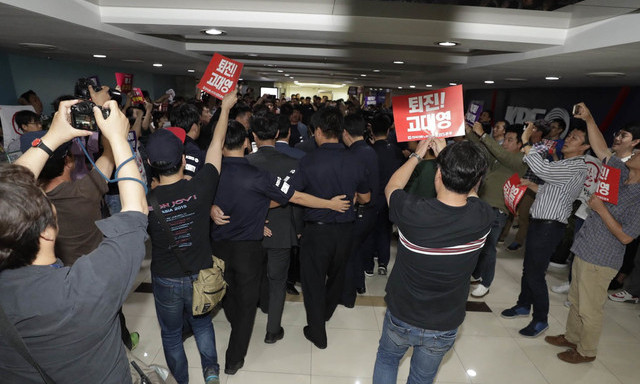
(576, 109)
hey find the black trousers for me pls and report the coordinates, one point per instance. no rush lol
(243, 269)
(354, 272)
(324, 250)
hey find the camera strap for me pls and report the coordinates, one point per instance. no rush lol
(12, 337)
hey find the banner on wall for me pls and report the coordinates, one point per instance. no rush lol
(513, 192)
(221, 76)
(124, 81)
(10, 130)
(608, 184)
(437, 113)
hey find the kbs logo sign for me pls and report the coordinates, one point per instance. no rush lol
(435, 113)
(221, 76)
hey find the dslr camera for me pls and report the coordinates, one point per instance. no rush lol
(82, 116)
(82, 89)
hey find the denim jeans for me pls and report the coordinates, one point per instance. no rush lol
(429, 347)
(174, 297)
(486, 267)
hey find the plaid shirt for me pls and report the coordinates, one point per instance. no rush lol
(595, 243)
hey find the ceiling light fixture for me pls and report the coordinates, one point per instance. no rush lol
(376, 70)
(252, 54)
(399, 87)
(489, 81)
(447, 43)
(191, 70)
(398, 62)
(280, 71)
(38, 46)
(552, 78)
(100, 56)
(606, 74)
(363, 75)
(453, 84)
(157, 65)
(286, 75)
(428, 85)
(412, 86)
(214, 32)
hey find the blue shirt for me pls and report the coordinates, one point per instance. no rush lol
(244, 193)
(328, 171)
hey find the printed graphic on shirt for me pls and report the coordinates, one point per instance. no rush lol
(180, 220)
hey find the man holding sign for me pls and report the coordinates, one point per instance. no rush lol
(503, 161)
(599, 249)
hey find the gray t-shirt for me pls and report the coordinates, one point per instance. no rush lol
(67, 316)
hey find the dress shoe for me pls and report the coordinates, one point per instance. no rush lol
(307, 334)
(559, 341)
(572, 356)
(231, 369)
(291, 289)
(271, 338)
(361, 291)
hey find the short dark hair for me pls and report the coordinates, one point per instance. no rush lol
(159, 168)
(184, 116)
(462, 165)
(380, 124)
(514, 129)
(236, 134)
(238, 110)
(561, 123)
(330, 122)
(284, 126)
(585, 131)
(286, 109)
(54, 167)
(265, 128)
(355, 125)
(28, 94)
(56, 103)
(25, 117)
(489, 112)
(633, 128)
(26, 213)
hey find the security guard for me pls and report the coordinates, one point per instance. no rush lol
(353, 137)
(327, 236)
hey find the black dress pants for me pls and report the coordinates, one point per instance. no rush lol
(324, 250)
(243, 269)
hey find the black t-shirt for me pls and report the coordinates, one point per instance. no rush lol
(244, 194)
(194, 157)
(437, 251)
(186, 206)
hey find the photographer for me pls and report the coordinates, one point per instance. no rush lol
(67, 315)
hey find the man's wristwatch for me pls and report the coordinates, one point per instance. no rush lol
(416, 156)
(38, 143)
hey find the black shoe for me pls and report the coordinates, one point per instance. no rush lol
(307, 334)
(271, 338)
(291, 289)
(231, 369)
(361, 291)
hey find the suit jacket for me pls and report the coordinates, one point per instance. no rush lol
(289, 151)
(281, 219)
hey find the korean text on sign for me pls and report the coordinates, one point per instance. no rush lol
(608, 184)
(513, 192)
(436, 113)
(221, 76)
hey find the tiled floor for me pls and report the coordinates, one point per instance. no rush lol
(488, 349)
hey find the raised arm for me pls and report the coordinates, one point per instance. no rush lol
(115, 129)
(596, 140)
(400, 177)
(59, 133)
(214, 153)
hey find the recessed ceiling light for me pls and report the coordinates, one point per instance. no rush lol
(398, 62)
(157, 65)
(280, 71)
(399, 87)
(428, 85)
(214, 32)
(286, 74)
(376, 70)
(453, 83)
(447, 43)
(252, 54)
(191, 70)
(606, 74)
(100, 56)
(552, 78)
(489, 81)
(363, 75)
(412, 86)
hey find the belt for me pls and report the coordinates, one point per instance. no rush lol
(543, 221)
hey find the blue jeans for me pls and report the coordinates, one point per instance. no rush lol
(486, 267)
(429, 347)
(173, 298)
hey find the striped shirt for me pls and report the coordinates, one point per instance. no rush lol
(563, 182)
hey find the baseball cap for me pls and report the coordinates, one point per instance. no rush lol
(166, 146)
(27, 138)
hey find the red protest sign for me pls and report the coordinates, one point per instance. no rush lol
(435, 113)
(221, 76)
(608, 184)
(138, 97)
(125, 81)
(513, 192)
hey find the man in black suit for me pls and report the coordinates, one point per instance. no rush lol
(281, 234)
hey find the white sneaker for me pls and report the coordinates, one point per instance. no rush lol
(480, 291)
(562, 288)
(558, 265)
(473, 280)
(624, 297)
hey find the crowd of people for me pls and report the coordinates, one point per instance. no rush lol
(286, 190)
